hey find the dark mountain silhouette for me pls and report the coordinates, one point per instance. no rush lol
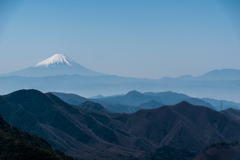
(181, 126)
(233, 113)
(221, 151)
(81, 131)
(89, 131)
(15, 144)
(170, 153)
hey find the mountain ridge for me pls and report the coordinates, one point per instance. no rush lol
(177, 126)
(89, 131)
(152, 100)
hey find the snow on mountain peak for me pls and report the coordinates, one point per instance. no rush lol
(56, 60)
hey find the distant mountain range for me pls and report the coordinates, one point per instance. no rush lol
(134, 101)
(89, 131)
(61, 74)
(224, 74)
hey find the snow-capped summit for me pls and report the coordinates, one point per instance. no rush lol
(56, 60)
(58, 64)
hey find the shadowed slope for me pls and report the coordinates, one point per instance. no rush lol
(81, 131)
(182, 126)
(15, 144)
(233, 113)
(90, 131)
(221, 151)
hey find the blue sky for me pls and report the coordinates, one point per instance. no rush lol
(134, 38)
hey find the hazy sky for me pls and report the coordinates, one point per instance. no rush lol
(135, 38)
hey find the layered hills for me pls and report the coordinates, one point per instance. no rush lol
(90, 131)
(80, 131)
(182, 125)
(134, 101)
(135, 98)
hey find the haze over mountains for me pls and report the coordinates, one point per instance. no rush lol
(134, 101)
(216, 75)
(131, 80)
(90, 131)
(61, 74)
(58, 64)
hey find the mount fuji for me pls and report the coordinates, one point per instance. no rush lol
(59, 73)
(58, 64)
